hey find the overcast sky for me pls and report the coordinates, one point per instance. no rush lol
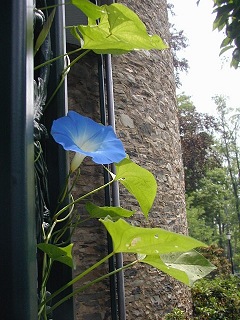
(208, 74)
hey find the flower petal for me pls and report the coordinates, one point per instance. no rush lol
(89, 138)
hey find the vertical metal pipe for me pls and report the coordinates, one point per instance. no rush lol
(230, 255)
(18, 278)
(56, 157)
(115, 187)
(111, 263)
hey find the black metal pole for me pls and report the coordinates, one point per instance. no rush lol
(115, 191)
(111, 261)
(56, 157)
(230, 253)
(115, 186)
(18, 278)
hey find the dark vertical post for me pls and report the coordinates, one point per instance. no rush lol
(230, 255)
(56, 157)
(18, 279)
(115, 188)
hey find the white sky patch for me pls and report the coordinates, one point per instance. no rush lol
(208, 75)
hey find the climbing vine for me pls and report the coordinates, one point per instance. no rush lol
(111, 29)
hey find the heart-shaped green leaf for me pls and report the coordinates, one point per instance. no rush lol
(148, 241)
(102, 212)
(61, 254)
(186, 267)
(88, 8)
(119, 30)
(138, 181)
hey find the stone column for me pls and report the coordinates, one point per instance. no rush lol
(146, 113)
(146, 121)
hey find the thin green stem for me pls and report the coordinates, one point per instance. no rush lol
(63, 76)
(77, 278)
(54, 92)
(76, 60)
(40, 151)
(81, 198)
(58, 234)
(90, 284)
(64, 191)
(51, 230)
(74, 182)
(58, 57)
(46, 273)
(69, 214)
(54, 6)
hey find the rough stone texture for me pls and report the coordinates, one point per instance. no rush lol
(146, 121)
(90, 238)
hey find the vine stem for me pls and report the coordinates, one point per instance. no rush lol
(90, 284)
(81, 198)
(44, 282)
(77, 278)
(58, 57)
(64, 74)
(54, 6)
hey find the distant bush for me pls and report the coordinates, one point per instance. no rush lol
(176, 314)
(217, 257)
(217, 296)
(217, 299)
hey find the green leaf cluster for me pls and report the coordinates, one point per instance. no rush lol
(55, 253)
(228, 18)
(167, 251)
(217, 299)
(113, 29)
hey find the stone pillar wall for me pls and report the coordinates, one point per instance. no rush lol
(146, 121)
(146, 113)
(90, 238)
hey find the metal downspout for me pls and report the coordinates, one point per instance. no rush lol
(115, 187)
(18, 278)
(112, 279)
(106, 89)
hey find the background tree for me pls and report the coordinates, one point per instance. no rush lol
(196, 132)
(197, 224)
(177, 42)
(210, 148)
(214, 199)
(228, 128)
(228, 19)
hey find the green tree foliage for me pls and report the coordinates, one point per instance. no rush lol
(214, 198)
(228, 128)
(228, 19)
(177, 42)
(210, 149)
(197, 225)
(196, 131)
(175, 314)
(218, 296)
(217, 257)
(216, 299)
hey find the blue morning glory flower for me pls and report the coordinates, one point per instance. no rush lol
(87, 138)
